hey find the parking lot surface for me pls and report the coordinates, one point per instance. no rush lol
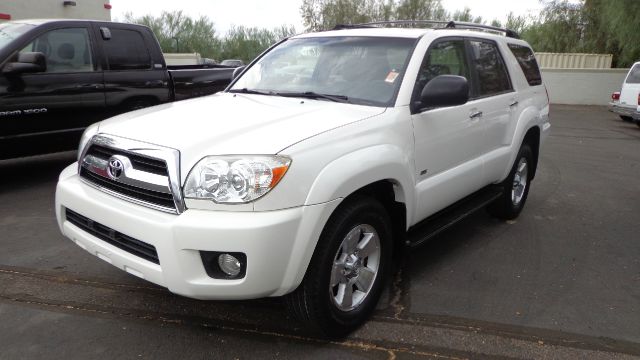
(561, 281)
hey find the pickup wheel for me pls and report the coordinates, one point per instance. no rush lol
(516, 187)
(626, 118)
(347, 271)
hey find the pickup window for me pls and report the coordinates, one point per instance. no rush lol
(126, 50)
(10, 31)
(65, 50)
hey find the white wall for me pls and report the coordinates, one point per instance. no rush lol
(583, 86)
(54, 9)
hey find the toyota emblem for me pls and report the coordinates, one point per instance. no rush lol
(115, 169)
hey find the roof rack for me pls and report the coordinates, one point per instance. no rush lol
(443, 25)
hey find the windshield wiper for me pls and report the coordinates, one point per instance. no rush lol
(252, 91)
(315, 95)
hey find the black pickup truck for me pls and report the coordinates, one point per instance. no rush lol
(59, 76)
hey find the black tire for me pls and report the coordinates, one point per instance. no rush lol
(638, 123)
(506, 207)
(312, 303)
(626, 118)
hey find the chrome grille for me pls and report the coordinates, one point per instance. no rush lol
(138, 172)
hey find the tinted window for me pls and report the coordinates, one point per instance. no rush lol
(444, 58)
(126, 50)
(528, 63)
(65, 50)
(493, 77)
(634, 75)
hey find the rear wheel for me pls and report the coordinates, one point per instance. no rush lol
(348, 270)
(516, 186)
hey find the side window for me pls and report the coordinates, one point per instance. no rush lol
(528, 63)
(126, 50)
(634, 75)
(443, 58)
(65, 50)
(492, 74)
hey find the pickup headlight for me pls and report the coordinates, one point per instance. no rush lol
(235, 179)
(86, 136)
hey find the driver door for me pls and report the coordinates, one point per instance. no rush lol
(47, 111)
(448, 140)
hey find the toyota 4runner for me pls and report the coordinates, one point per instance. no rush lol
(325, 156)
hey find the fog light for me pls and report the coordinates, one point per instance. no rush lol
(229, 265)
(224, 265)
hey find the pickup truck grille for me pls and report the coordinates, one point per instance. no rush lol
(117, 239)
(133, 171)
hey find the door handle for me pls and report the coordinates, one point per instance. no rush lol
(513, 103)
(475, 115)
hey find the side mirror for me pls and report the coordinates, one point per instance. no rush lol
(29, 62)
(237, 71)
(445, 90)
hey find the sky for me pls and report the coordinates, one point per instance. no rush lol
(273, 13)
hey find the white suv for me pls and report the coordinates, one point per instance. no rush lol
(328, 154)
(626, 102)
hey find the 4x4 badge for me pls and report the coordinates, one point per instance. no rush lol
(115, 169)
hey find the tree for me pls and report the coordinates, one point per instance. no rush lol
(177, 32)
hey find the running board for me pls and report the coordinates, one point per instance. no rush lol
(444, 219)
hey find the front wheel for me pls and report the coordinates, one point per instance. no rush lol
(347, 271)
(516, 187)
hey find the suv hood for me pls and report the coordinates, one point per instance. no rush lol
(226, 123)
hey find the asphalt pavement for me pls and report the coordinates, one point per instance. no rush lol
(561, 281)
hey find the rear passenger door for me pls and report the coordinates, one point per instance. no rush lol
(495, 98)
(135, 74)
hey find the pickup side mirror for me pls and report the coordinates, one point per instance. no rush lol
(443, 91)
(237, 71)
(29, 62)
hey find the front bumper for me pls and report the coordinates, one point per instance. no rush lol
(622, 110)
(278, 244)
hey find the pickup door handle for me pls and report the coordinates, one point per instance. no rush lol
(475, 115)
(88, 86)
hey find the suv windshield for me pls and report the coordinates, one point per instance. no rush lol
(359, 70)
(10, 31)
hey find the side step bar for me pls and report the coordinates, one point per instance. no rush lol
(442, 220)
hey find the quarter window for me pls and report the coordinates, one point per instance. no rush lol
(528, 63)
(65, 50)
(487, 62)
(126, 50)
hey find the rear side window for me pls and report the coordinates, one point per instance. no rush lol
(634, 75)
(528, 63)
(493, 78)
(126, 50)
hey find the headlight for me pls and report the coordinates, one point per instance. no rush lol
(86, 136)
(235, 179)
